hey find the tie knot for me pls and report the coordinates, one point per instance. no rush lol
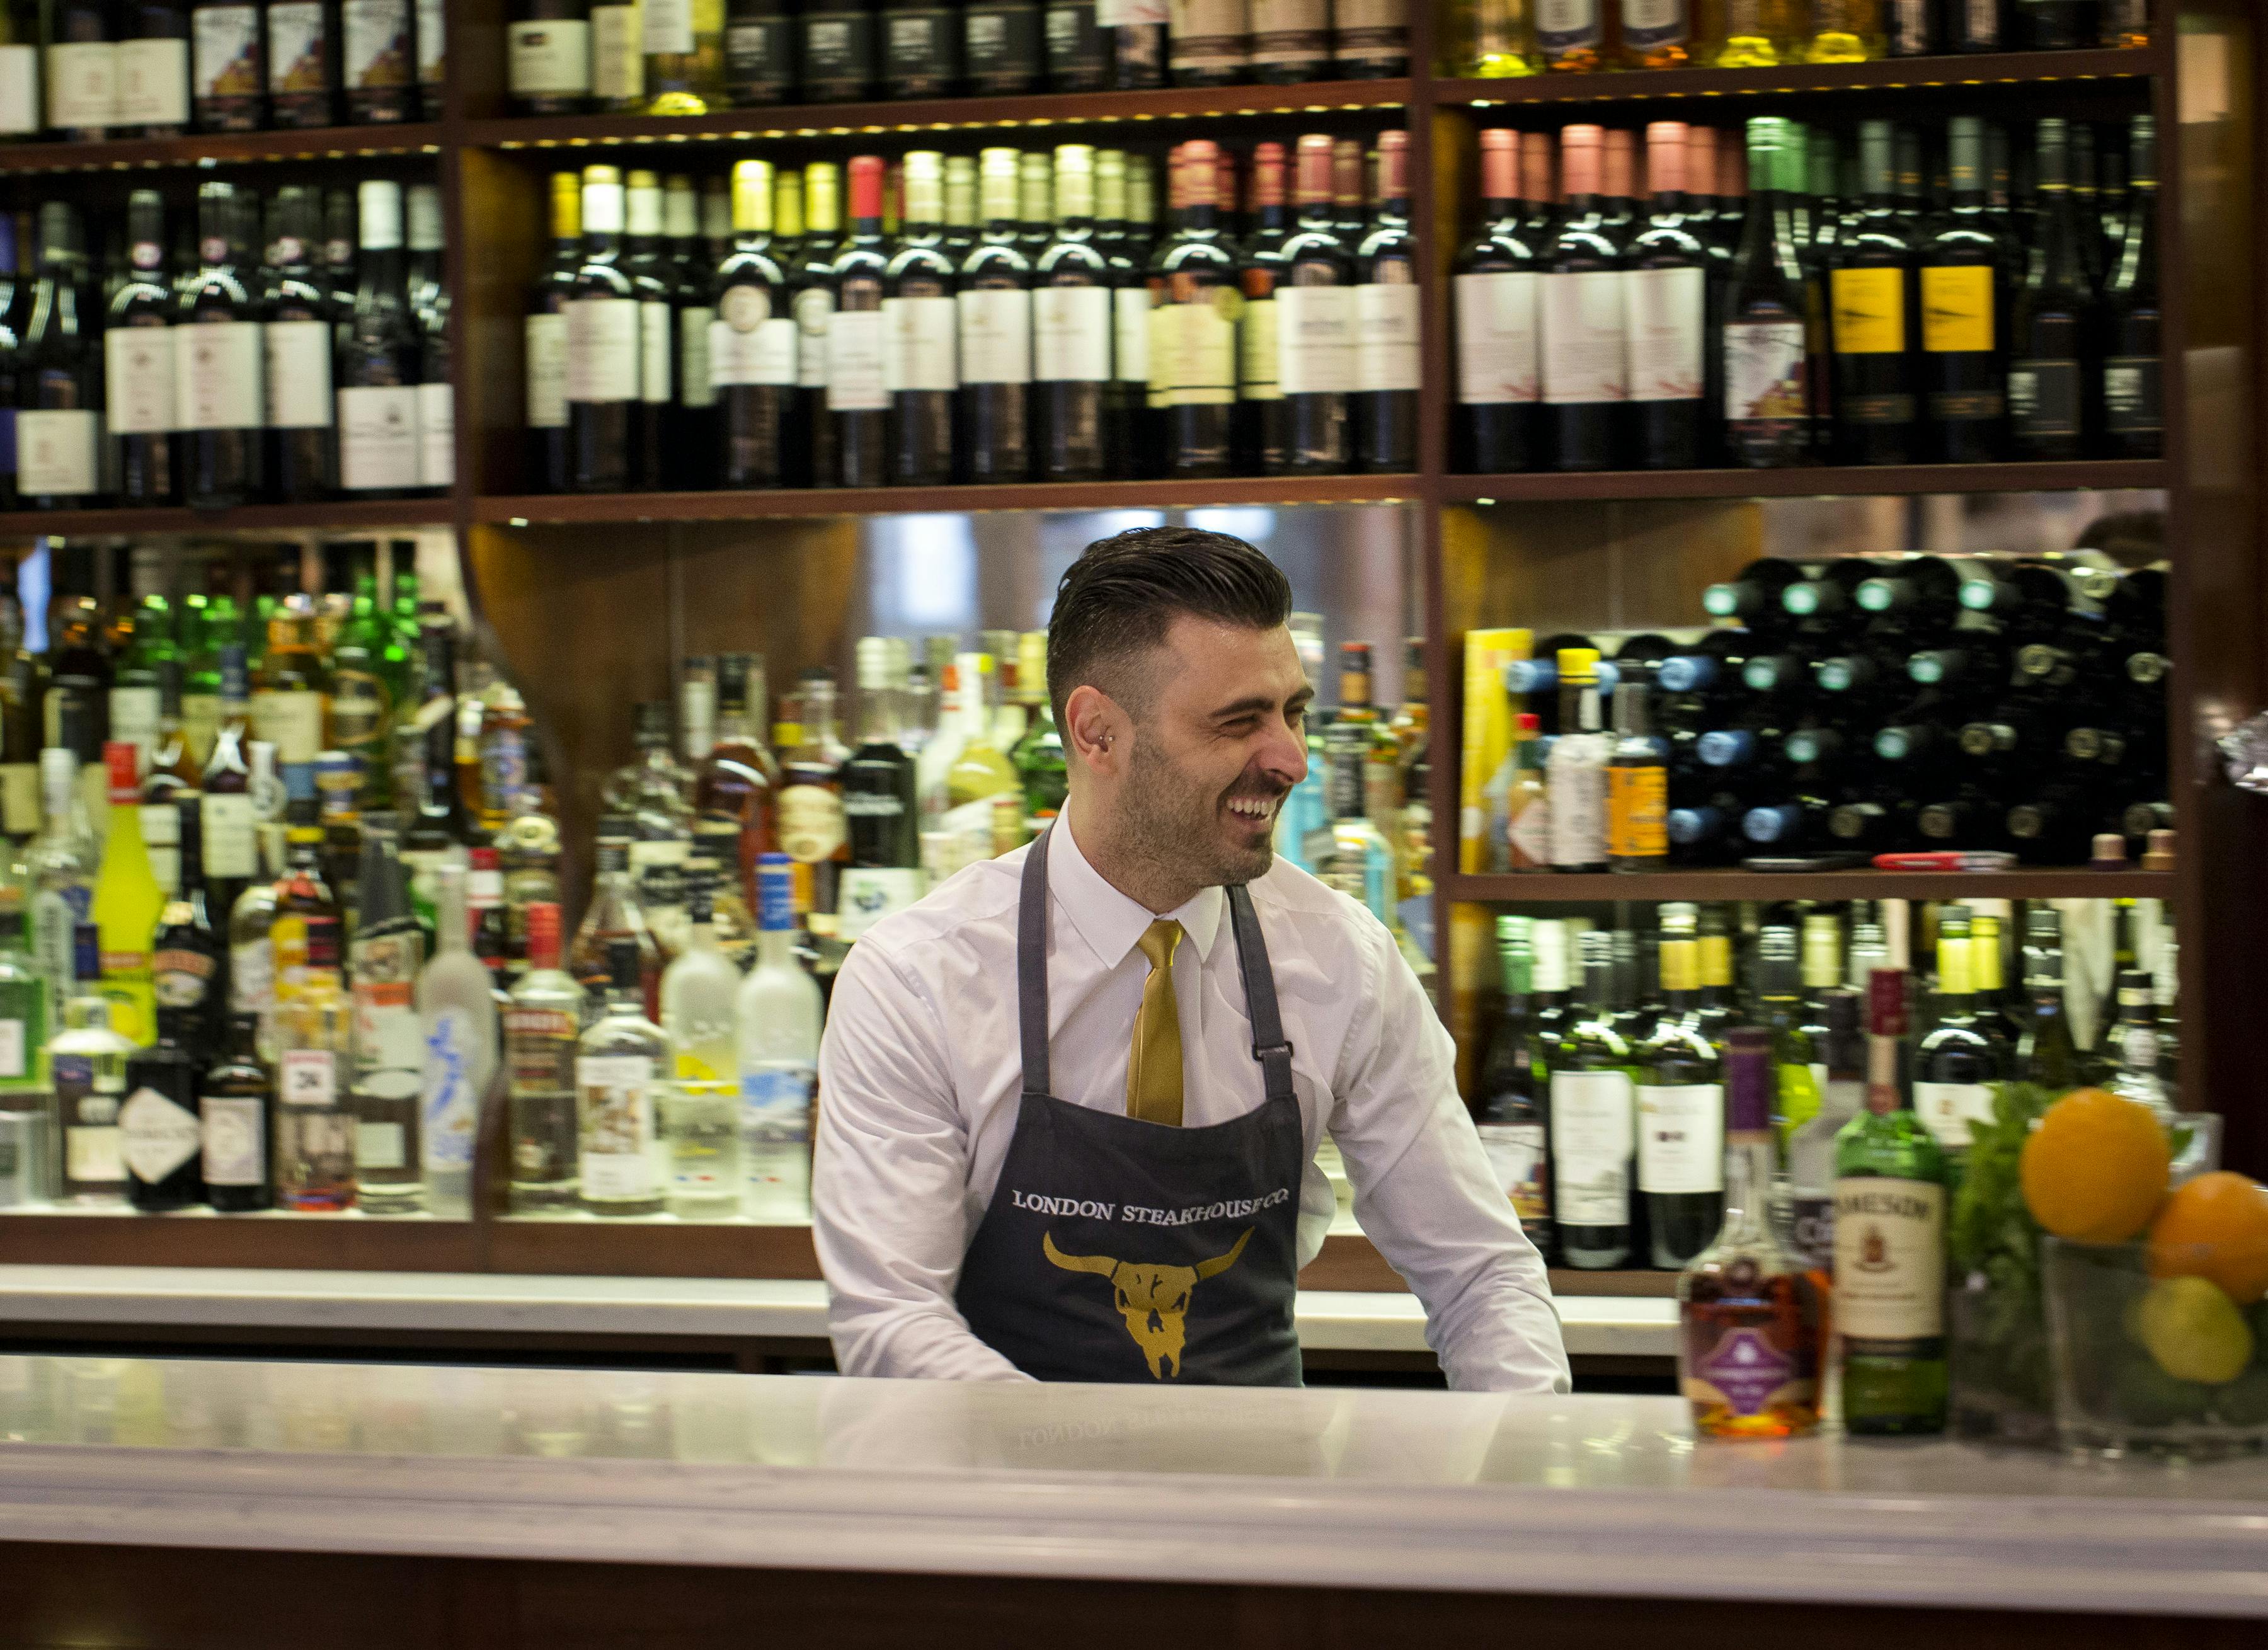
(1158, 942)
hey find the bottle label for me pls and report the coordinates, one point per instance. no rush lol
(1257, 352)
(614, 1103)
(1890, 1263)
(299, 374)
(1372, 31)
(307, 1077)
(654, 362)
(919, 343)
(1956, 309)
(298, 49)
(2132, 403)
(1637, 813)
(11, 1050)
(374, 45)
(55, 453)
(437, 434)
(747, 345)
(1074, 37)
(378, 437)
(776, 1102)
(1193, 354)
(158, 1135)
(161, 837)
(1289, 31)
(252, 977)
(153, 74)
(1814, 1232)
(1566, 26)
(227, 56)
(1130, 14)
(1497, 358)
(1528, 831)
(1130, 309)
(449, 1104)
(1665, 334)
(759, 61)
(20, 798)
(1764, 381)
(1002, 42)
(1870, 312)
(1586, 350)
(857, 378)
(138, 374)
(20, 90)
(218, 372)
(1071, 335)
(380, 1145)
(995, 337)
(1577, 779)
(1648, 24)
(1949, 1110)
(1591, 1136)
(235, 1139)
(666, 27)
(90, 1150)
(1386, 333)
(813, 826)
(1743, 1373)
(134, 717)
(82, 85)
(291, 721)
(540, 1051)
(617, 60)
(1681, 1138)
(1208, 35)
(2044, 398)
(838, 53)
(602, 349)
(1315, 329)
(1515, 1152)
(696, 377)
(917, 53)
(546, 351)
(814, 312)
(228, 837)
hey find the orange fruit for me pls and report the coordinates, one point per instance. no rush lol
(2215, 1226)
(2095, 1169)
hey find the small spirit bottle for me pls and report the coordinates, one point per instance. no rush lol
(87, 1061)
(233, 1105)
(456, 1015)
(620, 1061)
(1749, 1317)
(778, 1015)
(540, 1027)
(314, 1118)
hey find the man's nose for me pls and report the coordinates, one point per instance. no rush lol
(1283, 757)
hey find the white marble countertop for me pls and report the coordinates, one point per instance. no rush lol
(753, 1309)
(1597, 1496)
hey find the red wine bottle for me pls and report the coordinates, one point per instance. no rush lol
(1667, 293)
(1259, 272)
(1871, 299)
(752, 342)
(2133, 402)
(602, 345)
(1315, 342)
(1073, 392)
(995, 321)
(858, 386)
(298, 319)
(1386, 322)
(1767, 403)
(219, 365)
(645, 261)
(1582, 300)
(1192, 338)
(1500, 386)
(544, 347)
(920, 327)
(137, 348)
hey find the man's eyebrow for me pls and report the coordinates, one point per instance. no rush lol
(1251, 702)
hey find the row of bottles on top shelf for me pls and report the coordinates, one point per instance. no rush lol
(998, 318)
(228, 354)
(1885, 300)
(1969, 705)
(1507, 38)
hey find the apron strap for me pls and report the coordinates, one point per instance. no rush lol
(1032, 965)
(1268, 1044)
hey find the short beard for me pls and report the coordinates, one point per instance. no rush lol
(1167, 825)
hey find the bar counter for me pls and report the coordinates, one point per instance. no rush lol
(153, 1500)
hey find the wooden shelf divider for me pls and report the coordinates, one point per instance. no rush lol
(2024, 883)
(1887, 73)
(207, 149)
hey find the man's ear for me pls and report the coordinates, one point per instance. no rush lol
(1097, 732)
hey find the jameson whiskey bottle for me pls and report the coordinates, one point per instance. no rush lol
(1889, 1241)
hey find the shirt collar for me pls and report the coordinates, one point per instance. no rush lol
(1107, 920)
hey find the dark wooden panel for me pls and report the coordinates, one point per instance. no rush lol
(205, 149)
(1819, 482)
(1540, 889)
(635, 1249)
(316, 1242)
(498, 253)
(835, 501)
(337, 514)
(1971, 77)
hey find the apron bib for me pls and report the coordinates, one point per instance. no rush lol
(1116, 1249)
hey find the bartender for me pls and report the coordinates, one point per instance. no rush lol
(1069, 1102)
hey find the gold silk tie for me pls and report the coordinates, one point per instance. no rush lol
(1154, 1067)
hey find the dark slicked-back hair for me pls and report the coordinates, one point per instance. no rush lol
(1117, 601)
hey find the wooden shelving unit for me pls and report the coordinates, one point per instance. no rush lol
(318, 144)
(2043, 884)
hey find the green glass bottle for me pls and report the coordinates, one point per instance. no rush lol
(1594, 1121)
(134, 692)
(1508, 1104)
(1889, 1241)
(370, 677)
(1038, 757)
(2045, 1052)
(1779, 1010)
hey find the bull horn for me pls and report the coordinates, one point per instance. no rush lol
(1101, 1265)
(1220, 1263)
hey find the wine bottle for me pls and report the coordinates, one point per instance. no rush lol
(82, 59)
(19, 71)
(1134, 414)
(1384, 405)
(1571, 37)
(1078, 50)
(154, 62)
(1290, 40)
(1965, 302)
(377, 362)
(1192, 340)
(220, 366)
(1073, 390)
(753, 339)
(2052, 318)
(603, 345)
(690, 425)
(1317, 323)
(1766, 368)
(921, 48)
(1976, 25)
(2134, 402)
(1910, 28)
(1136, 33)
(1657, 34)
(919, 325)
(432, 28)
(1035, 198)
(228, 64)
(303, 62)
(378, 57)
(1370, 38)
(59, 375)
(995, 328)
(759, 52)
(137, 348)
(1680, 1114)
(809, 459)
(683, 44)
(547, 57)
(837, 38)
(1593, 1117)
(1668, 302)
(859, 398)
(1499, 385)
(1872, 291)
(1212, 42)
(646, 262)
(1000, 48)
(1260, 268)
(544, 340)
(617, 57)
(1583, 299)
(1509, 1103)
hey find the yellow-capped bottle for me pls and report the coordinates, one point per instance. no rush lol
(128, 902)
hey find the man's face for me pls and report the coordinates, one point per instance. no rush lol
(1222, 742)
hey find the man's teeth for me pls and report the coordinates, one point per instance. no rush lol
(1251, 807)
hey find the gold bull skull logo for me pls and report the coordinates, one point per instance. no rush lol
(1154, 1300)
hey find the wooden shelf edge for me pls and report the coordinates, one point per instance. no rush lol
(1063, 496)
(1825, 482)
(844, 119)
(199, 149)
(1883, 75)
(637, 1249)
(316, 518)
(2021, 884)
(203, 1239)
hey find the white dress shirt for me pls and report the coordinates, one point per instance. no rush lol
(920, 1071)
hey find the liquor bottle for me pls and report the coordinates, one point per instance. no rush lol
(316, 1135)
(880, 802)
(919, 323)
(1889, 1241)
(619, 1062)
(1751, 1319)
(752, 349)
(2046, 1052)
(1582, 303)
(603, 345)
(995, 331)
(1681, 1113)
(542, 1024)
(838, 52)
(388, 1070)
(2137, 1048)
(82, 70)
(1384, 405)
(220, 57)
(187, 954)
(160, 1128)
(1291, 41)
(1370, 40)
(547, 57)
(378, 61)
(1192, 342)
(296, 335)
(614, 914)
(1965, 302)
(1657, 33)
(1840, 1081)
(1508, 1108)
(220, 368)
(137, 348)
(127, 902)
(2052, 315)
(378, 358)
(777, 1012)
(234, 1107)
(59, 374)
(1070, 299)
(2133, 401)
(1872, 301)
(683, 44)
(1577, 768)
(456, 1017)
(1637, 787)
(24, 1012)
(1571, 36)
(1766, 369)
(696, 996)
(86, 1062)
(1593, 1119)
(858, 399)
(736, 790)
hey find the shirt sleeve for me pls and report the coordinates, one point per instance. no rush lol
(1425, 1194)
(889, 1183)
